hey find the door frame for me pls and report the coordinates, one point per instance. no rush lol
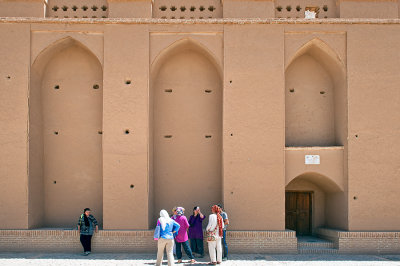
(311, 206)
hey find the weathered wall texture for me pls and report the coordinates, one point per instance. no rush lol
(125, 125)
(374, 99)
(14, 65)
(254, 126)
(187, 128)
(128, 116)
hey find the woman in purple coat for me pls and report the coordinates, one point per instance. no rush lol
(182, 238)
(196, 231)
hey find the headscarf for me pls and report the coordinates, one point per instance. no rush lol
(217, 211)
(164, 219)
(180, 211)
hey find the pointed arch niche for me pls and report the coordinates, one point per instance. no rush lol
(315, 97)
(185, 128)
(65, 135)
(327, 205)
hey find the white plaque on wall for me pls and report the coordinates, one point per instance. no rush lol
(312, 159)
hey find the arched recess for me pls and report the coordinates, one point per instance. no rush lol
(328, 207)
(185, 128)
(315, 97)
(65, 135)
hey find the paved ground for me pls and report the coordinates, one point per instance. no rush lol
(116, 259)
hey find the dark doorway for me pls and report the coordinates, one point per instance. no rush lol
(298, 212)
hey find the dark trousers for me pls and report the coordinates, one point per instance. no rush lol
(186, 247)
(197, 246)
(86, 241)
(225, 245)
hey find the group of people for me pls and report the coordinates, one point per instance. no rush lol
(176, 231)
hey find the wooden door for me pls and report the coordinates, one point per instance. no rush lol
(298, 212)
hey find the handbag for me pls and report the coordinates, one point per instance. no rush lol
(212, 235)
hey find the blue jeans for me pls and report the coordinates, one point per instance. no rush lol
(186, 247)
(225, 245)
(197, 246)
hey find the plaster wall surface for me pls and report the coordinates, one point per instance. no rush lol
(369, 9)
(309, 104)
(253, 60)
(248, 9)
(125, 154)
(129, 9)
(14, 65)
(22, 8)
(374, 101)
(187, 127)
(71, 95)
(254, 126)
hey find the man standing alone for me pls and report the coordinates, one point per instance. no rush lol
(226, 222)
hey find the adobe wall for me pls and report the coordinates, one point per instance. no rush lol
(252, 58)
(14, 82)
(373, 144)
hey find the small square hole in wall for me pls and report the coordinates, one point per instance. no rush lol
(291, 90)
(168, 136)
(104, 8)
(208, 136)
(168, 90)
(57, 87)
(127, 131)
(211, 8)
(55, 132)
(163, 8)
(96, 86)
(322, 92)
(55, 8)
(279, 8)
(128, 82)
(183, 8)
(64, 8)
(202, 8)
(100, 132)
(289, 8)
(207, 91)
(192, 8)
(94, 8)
(298, 8)
(325, 8)
(74, 8)
(84, 8)
(173, 8)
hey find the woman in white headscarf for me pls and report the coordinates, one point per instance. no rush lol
(165, 231)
